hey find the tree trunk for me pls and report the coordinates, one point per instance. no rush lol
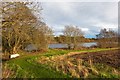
(69, 46)
(14, 50)
(75, 46)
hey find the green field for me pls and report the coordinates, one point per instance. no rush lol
(26, 66)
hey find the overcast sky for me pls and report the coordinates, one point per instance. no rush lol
(89, 16)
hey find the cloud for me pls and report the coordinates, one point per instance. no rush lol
(72, 0)
(105, 25)
(92, 16)
(85, 29)
(59, 0)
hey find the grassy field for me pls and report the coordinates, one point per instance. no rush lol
(35, 65)
(26, 67)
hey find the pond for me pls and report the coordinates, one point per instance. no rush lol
(65, 45)
(31, 47)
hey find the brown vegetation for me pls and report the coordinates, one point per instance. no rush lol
(24, 27)
(111, 57)
(82, 64)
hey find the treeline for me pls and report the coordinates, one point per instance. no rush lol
(105, 38)
(61, 39)
(22, 25)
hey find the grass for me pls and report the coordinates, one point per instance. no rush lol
(78, 68)
(53, 52)
(28, 67)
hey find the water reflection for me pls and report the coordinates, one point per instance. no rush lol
(65, 45)
(53, 46)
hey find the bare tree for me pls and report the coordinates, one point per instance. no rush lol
(73, 36)
(107, 38)
(21, 26)
(42, 36)
(16, 23)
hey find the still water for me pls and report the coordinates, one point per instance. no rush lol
(65, 45)
(53, 46)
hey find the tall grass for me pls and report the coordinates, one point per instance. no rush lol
(78, 68)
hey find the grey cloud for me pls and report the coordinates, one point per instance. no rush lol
(89, 15)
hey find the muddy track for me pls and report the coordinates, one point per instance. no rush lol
(111, 57)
